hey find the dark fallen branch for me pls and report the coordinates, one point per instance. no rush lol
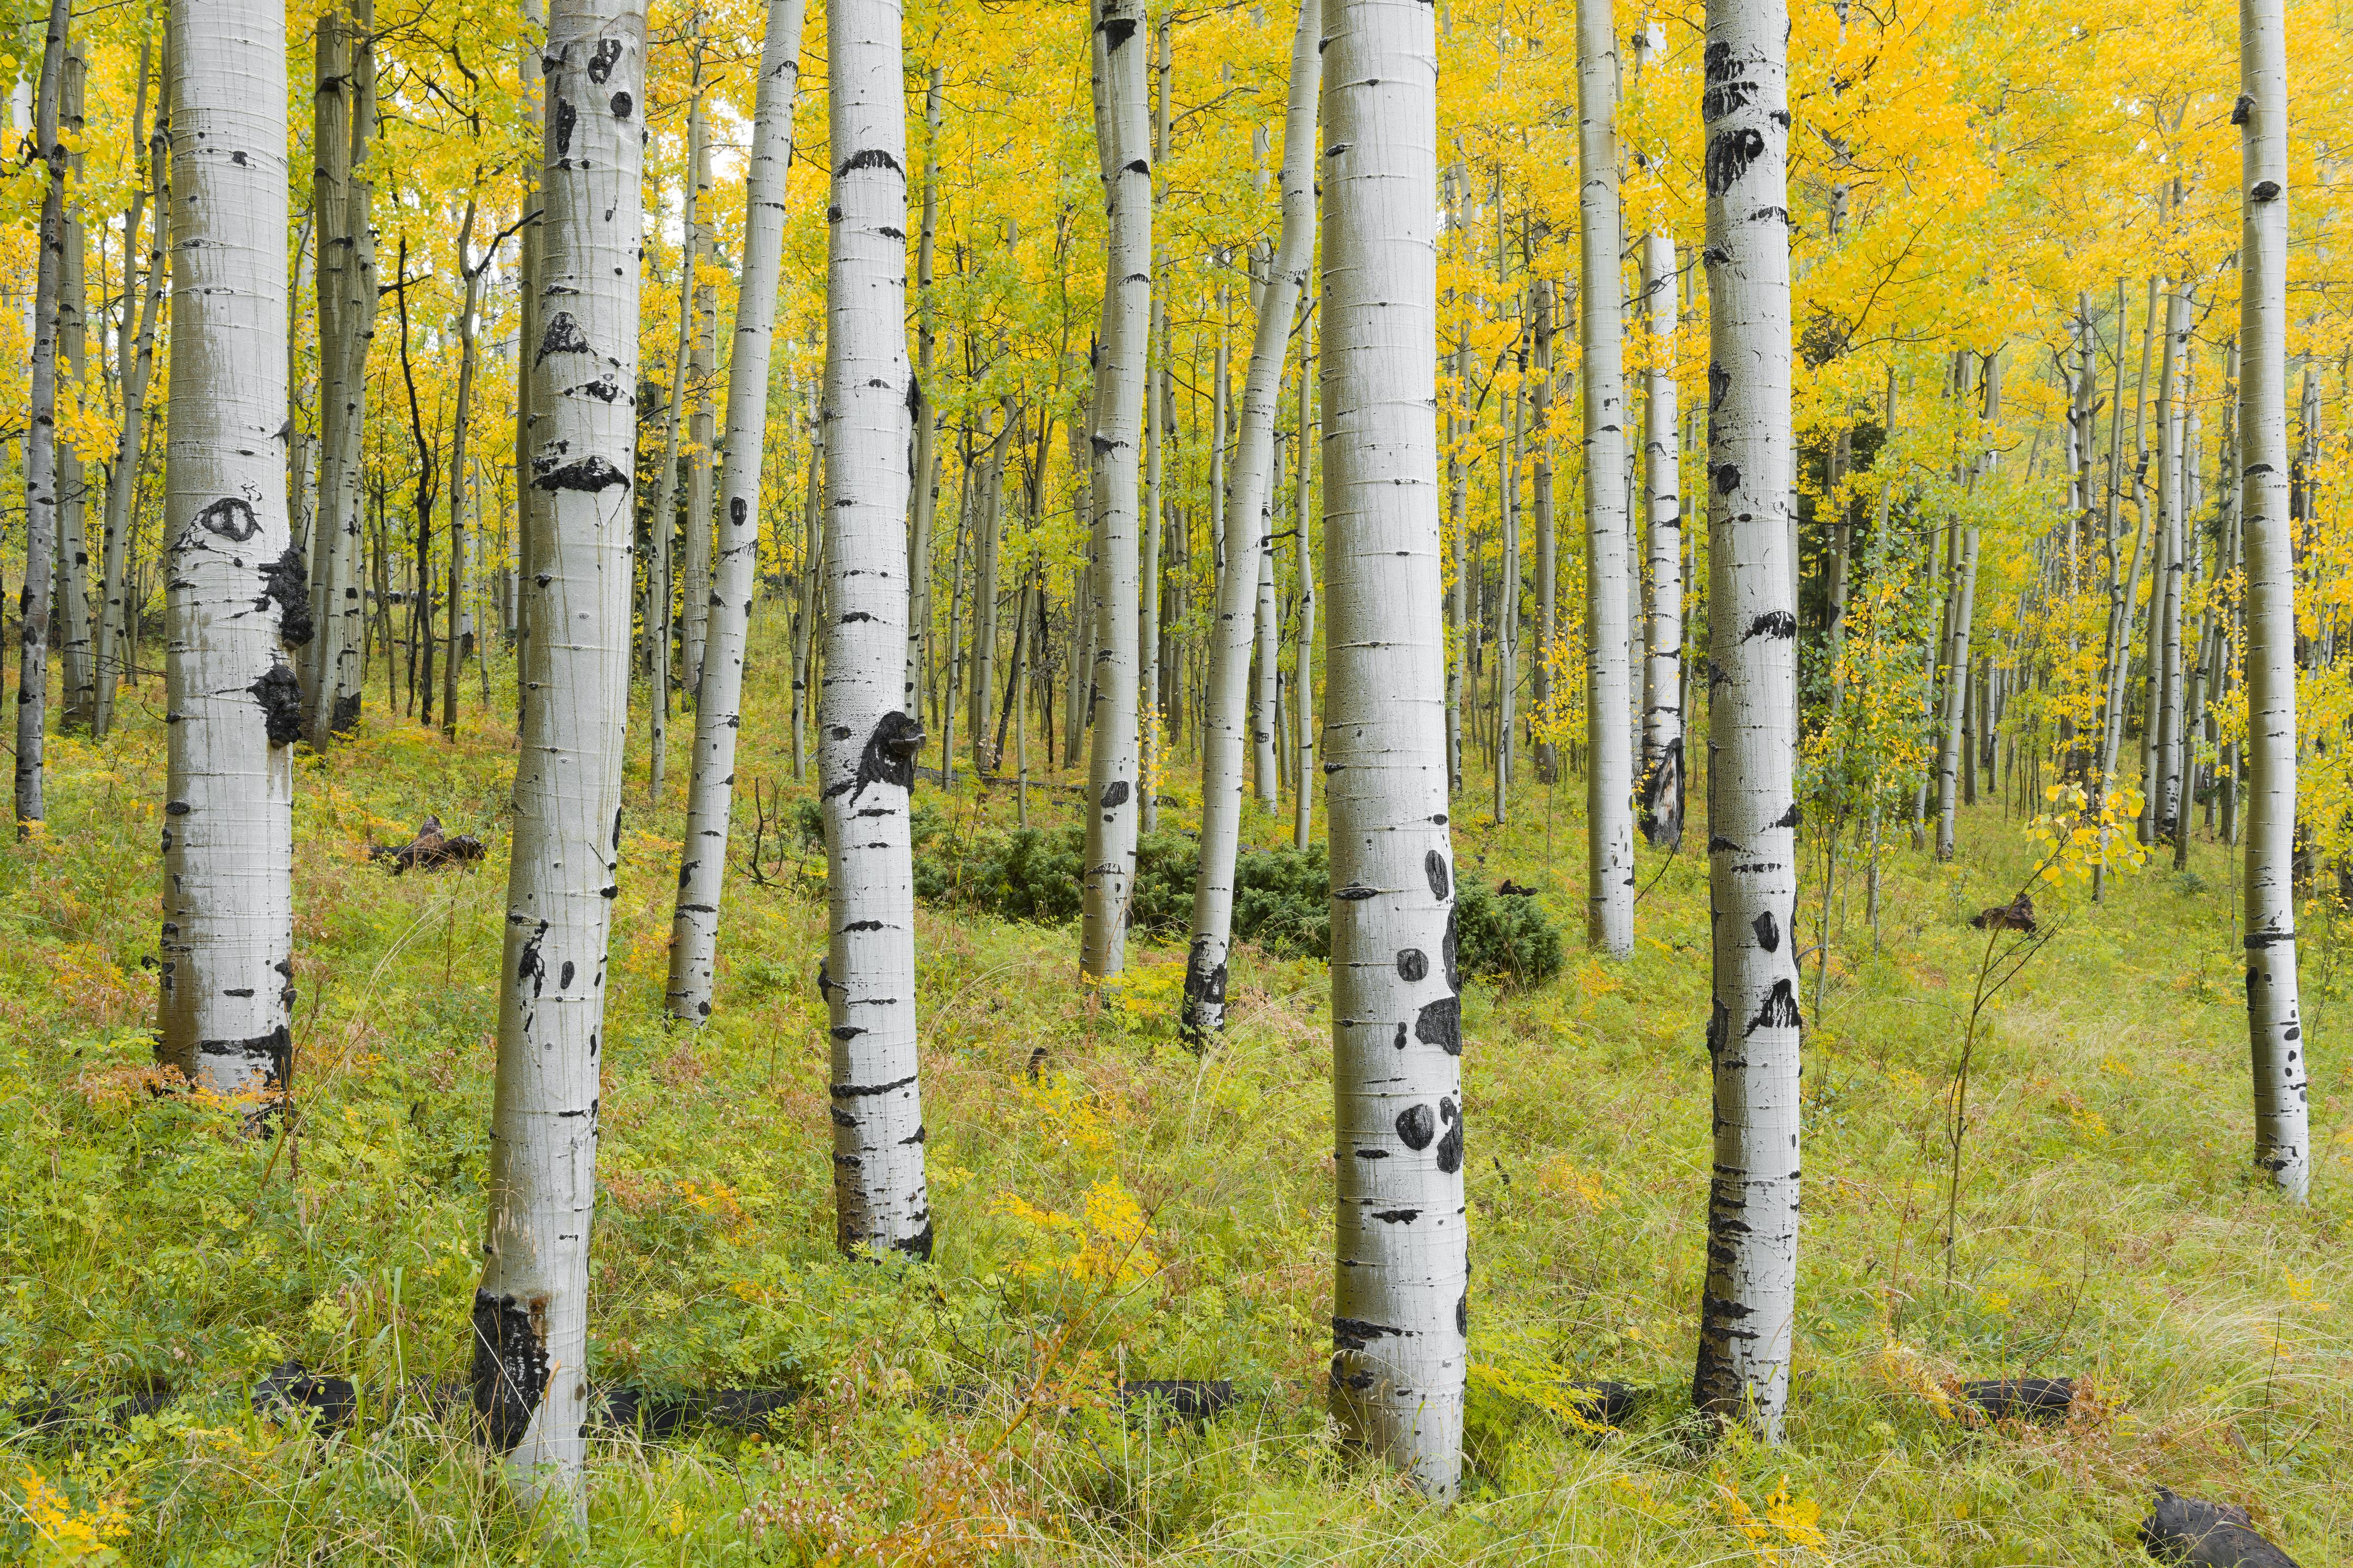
(430, 850)
(2206, 1535)
(1195, 1400)
(2016, 915)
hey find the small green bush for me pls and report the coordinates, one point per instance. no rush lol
(1282, 897)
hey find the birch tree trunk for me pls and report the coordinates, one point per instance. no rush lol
(1610, 763)
(1953, 730)
(1400, 1295)
(135, 361)
(1507, 636)
(2164, 811)
(529, 508)
(662, 521)
(926, 504)
(41, 436)
(1112, 779)
(79, 682)
(866, 742)
(531, 1310)
(460, 488)
(1302, 684)
(1662, 697)
(1750, 1295)
(1224, 710)
(2274, 1026)
(342, 192)
(719, 701)
(235, 600)
(1540, 496)
(1266, 636)
(701, 427)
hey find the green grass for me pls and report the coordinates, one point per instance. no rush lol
(1137, 1210)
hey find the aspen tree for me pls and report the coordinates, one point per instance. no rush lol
(41, 434)
(1152, 763)
(530, 1322)
(925, 507)
(1609, 735)
(1225, 712)
(701, 428)
(2275, 1024)
(343, 199)
(719, 701)
(1126, 148)
(866, 742)
(1663, 675)
(79, 674)
(235, 600)
(1540, 499)
(1749, 1298)
(661, 519)
(134, 358)
(1962, 619)
(2174, 530)
(1400, 1302)
(1303, 697)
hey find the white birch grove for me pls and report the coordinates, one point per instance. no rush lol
(1224, 709)
(661, 517)
(531, 1310)
(866, 742)
(1750, 1291)
(33, 605)
(1609, 729)
(235, 598)
(1400, 1293)
(2275, 1024)
(718, 699)
(2175, 530)
(1123, 124)
(1663, 676)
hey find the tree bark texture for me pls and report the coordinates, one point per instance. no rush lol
(1610, 734)
(1120, 60)
(1400, 1302)
(33, 605)
(719, 701)
(866, 742)
(1663, 677)
(1225, 710)
(2274, 1026)
(530, 1311)
(1750, 1296)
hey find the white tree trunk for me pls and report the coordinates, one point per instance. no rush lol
(531, 1310)
(135, 366)
(2274, 1026)
(79, 672)
(1662, 695)
(41, 436)
(719, 701)
(1400, 1297)
(1225, 708)
(234, 598)
(1126, 153)
(2174, 524)
(1953, 730)
(344, 197)
(701, 426)
(1303, 680)
(1609, 733)
(1750, 1292)
(1266, 635)
(927, 416)
(867, 742)
(661, 519)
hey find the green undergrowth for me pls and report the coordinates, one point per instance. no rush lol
(1110, 1206)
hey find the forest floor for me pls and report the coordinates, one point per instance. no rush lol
(1134, 1211)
